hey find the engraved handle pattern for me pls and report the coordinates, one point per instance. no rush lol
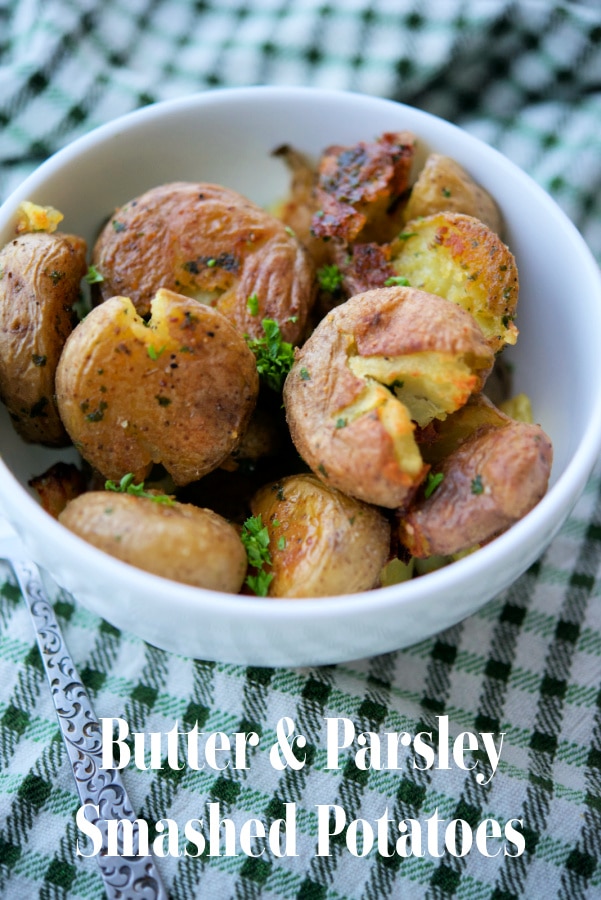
(124, 877)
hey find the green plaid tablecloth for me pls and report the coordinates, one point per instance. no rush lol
(525, 77)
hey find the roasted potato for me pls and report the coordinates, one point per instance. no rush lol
(40, 277)
(175, 540)
(360, 189)
(489, 482)
(321, 542)
(444, 186)
(373, 367)
(212, 244)
(58, 485)
(461, 259)
(178, 390)
(297, 210)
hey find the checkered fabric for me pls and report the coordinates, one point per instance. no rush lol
(525, 77)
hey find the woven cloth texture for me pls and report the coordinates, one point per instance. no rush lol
(526, 78)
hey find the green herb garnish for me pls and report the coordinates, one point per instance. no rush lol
(477, 486)
(274, 356)
(127, 486)
(93, 276)
(329, 278)
(255, 538)
(252, 305)
(397, 279)
(432, 483)
(154, 353)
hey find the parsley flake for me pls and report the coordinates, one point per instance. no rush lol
(477, 487)
(432, 482)
(252, 305)
(126, 486)
(329, 278)
(273, 355)
(255, 539)
(93, 276)
(397, 280)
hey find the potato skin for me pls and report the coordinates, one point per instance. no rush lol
(322, 542)
(444, 186)
(178, 390)
(208, 242)
(40, 281)
(490, 481)
(458, 257)
(179, 541)
(364, 455)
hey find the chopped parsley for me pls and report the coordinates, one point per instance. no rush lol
(477, 486)
(93, 276)
(154, 353)
(329, 278)
(255, 538)
(305, 374)
(432, 482)
(274, 356)
(397, 279)
(127, 486)
(405, 235)
(252, 305)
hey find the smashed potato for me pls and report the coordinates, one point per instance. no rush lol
(212, 244)
(321, 541)
(40, 277)
(175, 540)
(444, 186)
(488, 483)
(461, 259)
(373, 367)
(178, 390)
(359, 188)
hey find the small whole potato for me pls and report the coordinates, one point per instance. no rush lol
(175, 540)
(210, 243)
(321, 542)
(40, 277)
(376, 365)
(444, 186)
(489, 482)
(178, 390)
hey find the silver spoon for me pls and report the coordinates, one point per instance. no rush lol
(125, 877)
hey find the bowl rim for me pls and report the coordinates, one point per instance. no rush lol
(553, 508)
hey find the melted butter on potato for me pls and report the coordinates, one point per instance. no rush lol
(177, 541)
(322, 542)
(459, 258)
(178, 390)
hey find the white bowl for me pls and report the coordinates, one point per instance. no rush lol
(227, 137)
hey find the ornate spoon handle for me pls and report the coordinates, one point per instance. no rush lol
(101, 790)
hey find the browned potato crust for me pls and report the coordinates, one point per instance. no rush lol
(178, 541)
(321, 542)
(359, 188)
(210, 243)
(444, 186)
(58, 485)
(490, 481)
(178, 390)
(374, 364)
(461, 259)
(40, 277)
